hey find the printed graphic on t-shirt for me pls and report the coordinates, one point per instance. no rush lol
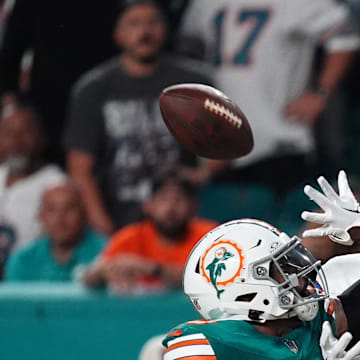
(139, 144)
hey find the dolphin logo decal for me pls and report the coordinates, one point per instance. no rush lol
(217, 266)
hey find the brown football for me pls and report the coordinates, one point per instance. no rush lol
(206, 121)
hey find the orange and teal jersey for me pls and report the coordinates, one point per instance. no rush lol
(236, 340)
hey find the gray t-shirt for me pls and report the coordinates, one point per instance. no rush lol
(116, 117)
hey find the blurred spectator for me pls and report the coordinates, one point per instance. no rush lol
(4, 12)
(151, 254)
(354, 6)
(7, 240)
(175, 10)
(23, 173)
(67, 244)
(264, 52)
(116, 139)
(67, 39)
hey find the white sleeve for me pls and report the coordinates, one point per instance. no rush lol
(341, 272)
(315, 18)
(346, 39)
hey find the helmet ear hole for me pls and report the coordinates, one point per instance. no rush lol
(246, 297)
(197, 269)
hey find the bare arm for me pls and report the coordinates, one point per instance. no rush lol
(310, 105)
(335, 67)
(94, 276)
(81, 166)
(172, 276)
(202, 174)
(124, 271)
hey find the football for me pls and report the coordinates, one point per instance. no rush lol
(206, 121)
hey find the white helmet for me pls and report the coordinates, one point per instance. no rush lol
(248, 270)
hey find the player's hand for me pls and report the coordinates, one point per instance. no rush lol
(306, 108)
(340, 210)
(333, 348)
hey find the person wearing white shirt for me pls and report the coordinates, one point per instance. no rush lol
(23, 175)
(263, 51)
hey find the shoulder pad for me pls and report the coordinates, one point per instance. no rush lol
(190, 346)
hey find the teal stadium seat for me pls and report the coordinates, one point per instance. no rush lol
(224, 202)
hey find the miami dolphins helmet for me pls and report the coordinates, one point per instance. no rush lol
(248, 270)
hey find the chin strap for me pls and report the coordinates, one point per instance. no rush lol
(306, 312)
(230, 313)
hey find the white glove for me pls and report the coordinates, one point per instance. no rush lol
(333, 348)
(340, 211)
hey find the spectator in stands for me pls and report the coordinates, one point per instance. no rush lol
(152, 253)
(3, 18)
(116, 139)
(263, 56)
(67, 39)
(23, 173)
(67, 242)
(175, 10)
(7, 240)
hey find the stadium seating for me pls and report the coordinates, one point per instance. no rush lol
(223, 202)
(62, 321)
(289, 210)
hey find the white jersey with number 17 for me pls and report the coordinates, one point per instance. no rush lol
(263, 51)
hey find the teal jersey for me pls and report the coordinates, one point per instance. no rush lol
(35, 261)
(240, 340)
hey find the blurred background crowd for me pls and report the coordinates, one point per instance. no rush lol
(95, 190)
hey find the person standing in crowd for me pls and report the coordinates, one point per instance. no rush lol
(151, 254)
(67, 38)
(67, 244)
(116, 140)
(23, 172)
(263, 51)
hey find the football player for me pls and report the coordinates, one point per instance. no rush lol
(262, 295)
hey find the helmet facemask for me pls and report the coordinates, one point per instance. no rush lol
(294, 271)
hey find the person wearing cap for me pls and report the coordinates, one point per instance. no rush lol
(151, 254)
(67, 246)
(116, 139)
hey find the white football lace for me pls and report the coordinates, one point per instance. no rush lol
(223, 112)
